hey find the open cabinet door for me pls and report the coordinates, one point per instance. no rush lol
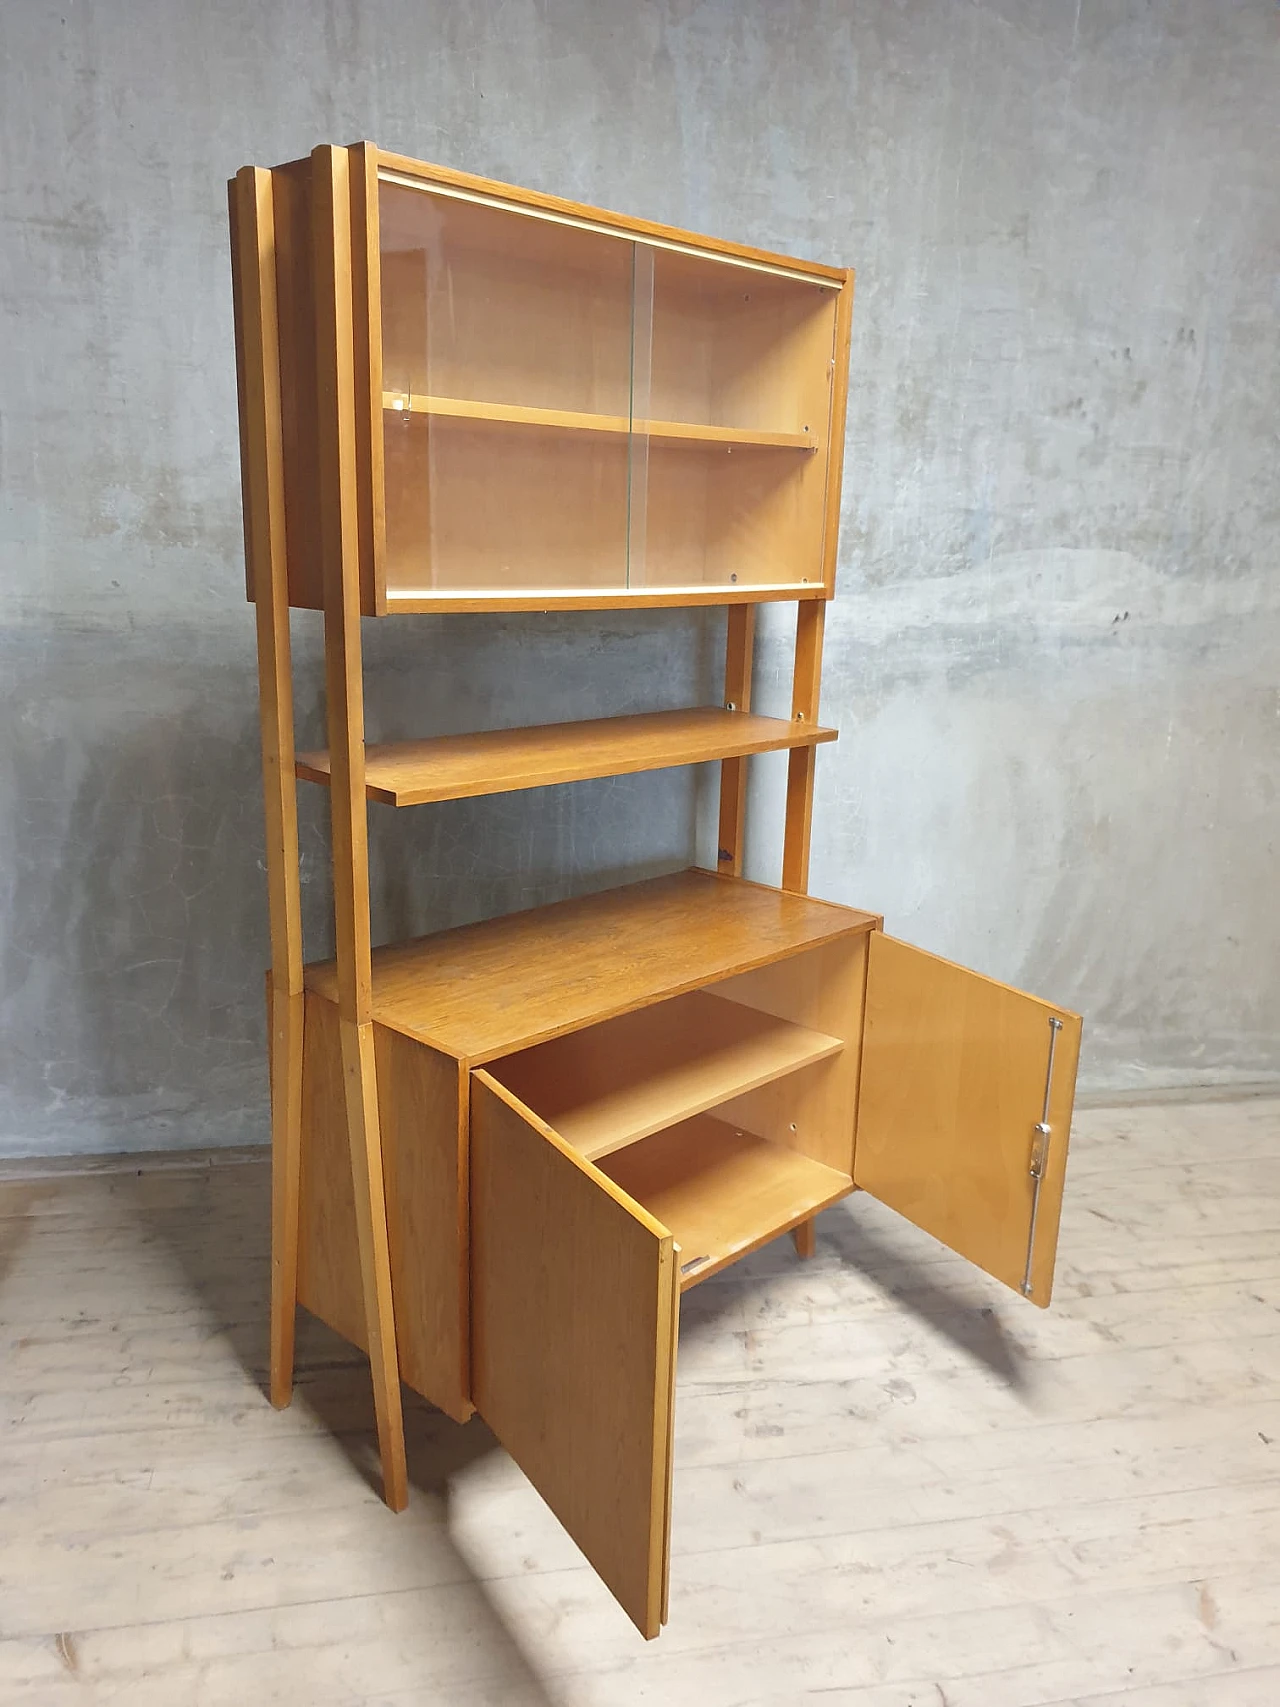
(964, 1110)
(574, 1298)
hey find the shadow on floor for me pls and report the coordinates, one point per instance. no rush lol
(951, 1305)
(952, 1308)
(217, 1225)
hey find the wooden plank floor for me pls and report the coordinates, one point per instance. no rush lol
(896, 1485)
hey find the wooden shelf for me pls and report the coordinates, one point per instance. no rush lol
(579, 421)
(612, 1084)
(488, 989)
(721, 1191)
(499, 761)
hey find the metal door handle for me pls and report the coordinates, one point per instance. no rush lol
(1040, 1156)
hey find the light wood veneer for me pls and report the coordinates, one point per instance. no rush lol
(488, 989)
(499, 761)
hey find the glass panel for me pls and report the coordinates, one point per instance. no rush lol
(739, 399)
(507, 398)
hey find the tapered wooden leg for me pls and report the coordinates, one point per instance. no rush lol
(286, 1149)
(739, 640)
(805, 688)
(799, 821)
(375, 1257)
(805, 1238)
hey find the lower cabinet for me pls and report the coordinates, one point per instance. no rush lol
(547, 1205)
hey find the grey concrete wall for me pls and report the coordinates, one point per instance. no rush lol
(1054, 652)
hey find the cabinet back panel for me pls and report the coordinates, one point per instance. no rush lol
(739, 349)
(612, 1084)
(813, 1110)
(669, 549)
(730, 517)
(503, 507)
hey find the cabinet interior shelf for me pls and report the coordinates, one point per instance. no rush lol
(613, 1084)
(499, 761)
(579, 421)
(721, 1191)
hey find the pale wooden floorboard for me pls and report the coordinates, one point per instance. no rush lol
(896, 1485)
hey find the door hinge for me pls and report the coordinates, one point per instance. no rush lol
(1040, 1156)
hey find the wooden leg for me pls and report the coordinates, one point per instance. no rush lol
(286, 1151)
(804, 1236)
(799, 820)
(739, 640)
(805, 688)
(375, 1257)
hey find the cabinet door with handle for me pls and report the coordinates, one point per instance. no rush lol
(964, 1110)
(574, 1299)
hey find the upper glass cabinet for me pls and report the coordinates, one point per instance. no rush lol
(510, 401)
(571, 408)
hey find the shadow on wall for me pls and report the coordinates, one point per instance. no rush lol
(134, 903)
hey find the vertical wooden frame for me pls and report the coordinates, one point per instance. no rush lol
(366, 316)
(835, 445)
(739, 645)
(811, 616)
(806, 687)
(344, 692)
(262, 463)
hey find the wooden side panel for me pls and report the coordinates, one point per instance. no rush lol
(422, 1117)
(366, 319)
(573, 1343)
(295, 292)
(811, 1110)
(422, 1123)
(344, 705)
(262, 469)
(329, 1283)
(954, 1068)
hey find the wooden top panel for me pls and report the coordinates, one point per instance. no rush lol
(483, 990)
(498, 761)
(646, 230)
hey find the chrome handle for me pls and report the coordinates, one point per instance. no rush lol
(1040, 1156)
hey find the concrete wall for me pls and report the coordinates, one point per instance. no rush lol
(1054, 652)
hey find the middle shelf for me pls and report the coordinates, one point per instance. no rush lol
(608, 1086)
(499, 761)
(694, 433)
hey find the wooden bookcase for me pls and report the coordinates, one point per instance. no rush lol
(501, 1152)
